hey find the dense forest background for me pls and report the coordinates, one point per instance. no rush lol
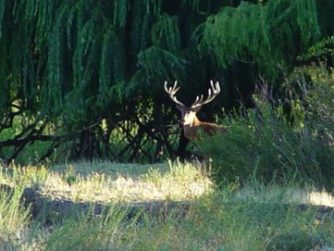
(84, 79)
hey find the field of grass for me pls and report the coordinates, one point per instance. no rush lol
(253, 217)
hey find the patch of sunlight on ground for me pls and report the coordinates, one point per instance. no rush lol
(318, 198)
(109, 182)
(290, 194)
(104, 181)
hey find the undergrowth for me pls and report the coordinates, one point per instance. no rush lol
(269, 144)
(255, 217)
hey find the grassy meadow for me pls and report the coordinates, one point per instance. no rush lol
(85, 79)
(251, 217)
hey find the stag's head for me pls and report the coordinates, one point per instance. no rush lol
(189, 113)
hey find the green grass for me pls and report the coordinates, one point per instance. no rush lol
(253, 217)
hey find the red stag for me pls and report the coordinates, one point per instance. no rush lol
(192, 126)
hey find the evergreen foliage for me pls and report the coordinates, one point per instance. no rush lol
(86, 72)
(264, 33)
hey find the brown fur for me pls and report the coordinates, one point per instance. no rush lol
(192, 132)
(192, 126)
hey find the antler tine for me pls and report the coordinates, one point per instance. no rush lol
(198, 100)
(172, 91)
(216, 89)
(175, 88)
(201, 99)
(212, 93)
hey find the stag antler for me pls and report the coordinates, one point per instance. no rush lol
(172, 91)
(212, 93)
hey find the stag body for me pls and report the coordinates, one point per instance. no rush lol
(192, 126)
(193, 132)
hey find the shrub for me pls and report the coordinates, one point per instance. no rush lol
(264, 146)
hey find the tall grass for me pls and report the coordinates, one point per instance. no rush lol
(265, 146)
(87, 233)
(263, 223)
(252, 218)
(14, 218)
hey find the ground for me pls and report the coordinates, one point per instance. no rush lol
(169, 206)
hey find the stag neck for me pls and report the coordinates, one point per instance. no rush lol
(195, 122)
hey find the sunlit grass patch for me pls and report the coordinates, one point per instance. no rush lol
(106, 182)
(291, 194)
(313, 197)
(181, 180)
